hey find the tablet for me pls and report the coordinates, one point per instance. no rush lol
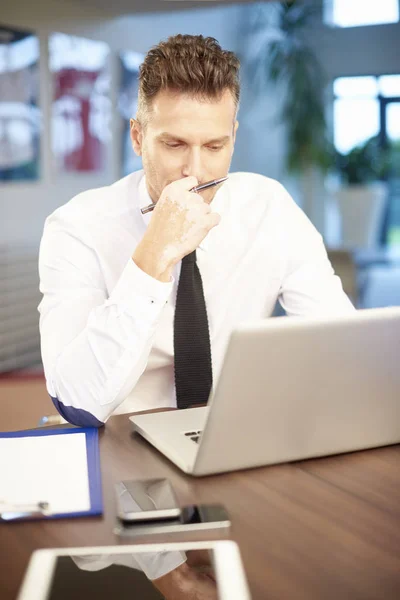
(127, 572)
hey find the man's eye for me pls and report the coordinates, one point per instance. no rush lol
(215, 148)
(173, 145)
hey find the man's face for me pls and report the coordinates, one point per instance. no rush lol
(184, 136)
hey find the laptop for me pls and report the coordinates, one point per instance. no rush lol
(290, 388)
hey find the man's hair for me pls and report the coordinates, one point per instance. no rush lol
(187, 64)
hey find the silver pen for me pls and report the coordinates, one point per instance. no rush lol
(196, 189)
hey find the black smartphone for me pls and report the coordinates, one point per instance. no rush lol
(146, 500)
(192, 518)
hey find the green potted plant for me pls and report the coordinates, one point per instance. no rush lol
(393, 154)
(362, 194)
(286, 59)
(364, 163)
(292, 62)
(283, 59)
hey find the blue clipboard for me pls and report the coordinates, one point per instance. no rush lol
(93, 464)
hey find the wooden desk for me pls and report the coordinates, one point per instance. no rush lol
(319, 529)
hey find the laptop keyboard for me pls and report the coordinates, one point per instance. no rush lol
(193, 435)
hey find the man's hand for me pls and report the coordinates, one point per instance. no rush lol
(186, 583)
(201, 560)
(179, 223)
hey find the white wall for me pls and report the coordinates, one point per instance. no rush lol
(24, 206)
(358, 50)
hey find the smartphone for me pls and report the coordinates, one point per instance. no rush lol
(193, 518)
(146, 500)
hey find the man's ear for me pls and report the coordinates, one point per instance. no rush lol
(235, 128)
(136, 136)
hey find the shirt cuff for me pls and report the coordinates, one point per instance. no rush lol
(135, 285)
(157, 564)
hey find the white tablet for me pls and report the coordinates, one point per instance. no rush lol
(126, 572)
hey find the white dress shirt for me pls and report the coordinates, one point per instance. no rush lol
(107, 327)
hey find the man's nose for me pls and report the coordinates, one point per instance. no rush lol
(193, 165)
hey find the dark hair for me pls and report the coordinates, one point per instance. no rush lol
(190, 64)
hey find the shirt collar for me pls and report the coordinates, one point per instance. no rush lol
(145, 200)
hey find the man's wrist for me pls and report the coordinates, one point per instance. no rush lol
(171, 580)
(151, 263)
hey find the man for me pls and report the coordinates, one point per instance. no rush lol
(109, 274)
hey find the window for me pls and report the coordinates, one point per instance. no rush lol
(359, 104)
(352, 13)
(355, 111)
(364, 107)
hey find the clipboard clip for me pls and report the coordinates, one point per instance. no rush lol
(15, 511)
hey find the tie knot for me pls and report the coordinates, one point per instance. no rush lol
(190, 258)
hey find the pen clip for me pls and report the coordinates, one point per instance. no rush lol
(15, 511)
(48, 420)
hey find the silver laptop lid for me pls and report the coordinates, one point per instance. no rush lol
(294, 388)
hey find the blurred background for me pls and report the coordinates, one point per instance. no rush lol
(320, 112)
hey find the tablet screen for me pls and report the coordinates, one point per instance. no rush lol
(129, 576)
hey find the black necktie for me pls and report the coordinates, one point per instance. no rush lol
(193, 369)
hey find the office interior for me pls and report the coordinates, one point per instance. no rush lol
(59, 137)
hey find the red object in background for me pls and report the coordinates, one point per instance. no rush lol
(89, 156)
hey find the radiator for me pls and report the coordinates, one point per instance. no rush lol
(19, 298)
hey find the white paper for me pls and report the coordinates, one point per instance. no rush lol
(51, 468)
